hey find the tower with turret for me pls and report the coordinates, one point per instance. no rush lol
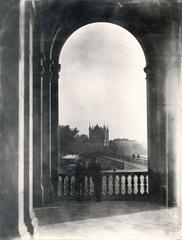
(99, 135)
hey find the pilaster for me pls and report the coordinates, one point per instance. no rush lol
(173, 87)
(27, 121)
(12, 123)
(163, 84)
(55, 68)
(37, 123)
(156, 121)
(46, 131)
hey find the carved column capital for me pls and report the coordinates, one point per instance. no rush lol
(55, 68)
(149, 70)
(45, 68)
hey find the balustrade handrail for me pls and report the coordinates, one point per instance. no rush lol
(115, 172)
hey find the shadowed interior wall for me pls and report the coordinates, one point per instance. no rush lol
(9, 156)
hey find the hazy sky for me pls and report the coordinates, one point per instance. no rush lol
(102, 81)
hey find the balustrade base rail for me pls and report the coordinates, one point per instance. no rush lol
(144, 197)
(116, 185)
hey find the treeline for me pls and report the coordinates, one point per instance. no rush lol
(71, 142)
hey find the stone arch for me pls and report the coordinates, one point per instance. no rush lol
(157, 26)
(147, 43)
(150, 25)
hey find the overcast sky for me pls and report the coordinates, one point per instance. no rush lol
(102, 81)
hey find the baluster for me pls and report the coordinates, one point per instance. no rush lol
(85, 186)
(123, 179)
(73, 186)
(126, 184)
(111, 185)
(145, 183)
(114, 184)
(132, 184)
(120, 184)
(147, 179)
(142, 184)
(117, 185)
(62, 187)
(91, 187)
(135, 184)
(88, 185)
(103, 185)
(71, 183)
(139, 185)
(69, 186)
(107, 185)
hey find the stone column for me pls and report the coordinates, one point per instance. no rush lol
(28, 89)
(156, 115)
(164, 81)
(37, 166)
(12, 119)
(46, 144)
(54, 126)
(173, 86)
(9, 175)
(37, 184)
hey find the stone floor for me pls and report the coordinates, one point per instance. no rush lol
(108, 220)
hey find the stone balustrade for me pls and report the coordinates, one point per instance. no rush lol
(116, 185)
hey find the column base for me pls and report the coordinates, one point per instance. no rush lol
(34, 221)
(157, 187)
(9, 223)
(47, 194)
(9, 233)
(37, 196)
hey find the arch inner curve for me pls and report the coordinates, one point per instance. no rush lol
(102, 82)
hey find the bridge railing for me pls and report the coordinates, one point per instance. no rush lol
(116, 185)
(135, 159)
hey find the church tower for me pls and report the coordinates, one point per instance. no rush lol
(99, 134)
(106, 136)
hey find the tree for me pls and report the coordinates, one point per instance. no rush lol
(67, 137)
(80, 145)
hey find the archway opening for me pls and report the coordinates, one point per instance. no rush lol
(102, 100)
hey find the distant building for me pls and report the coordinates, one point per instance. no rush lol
(123, 141)
(127, 147)
(99, 135)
